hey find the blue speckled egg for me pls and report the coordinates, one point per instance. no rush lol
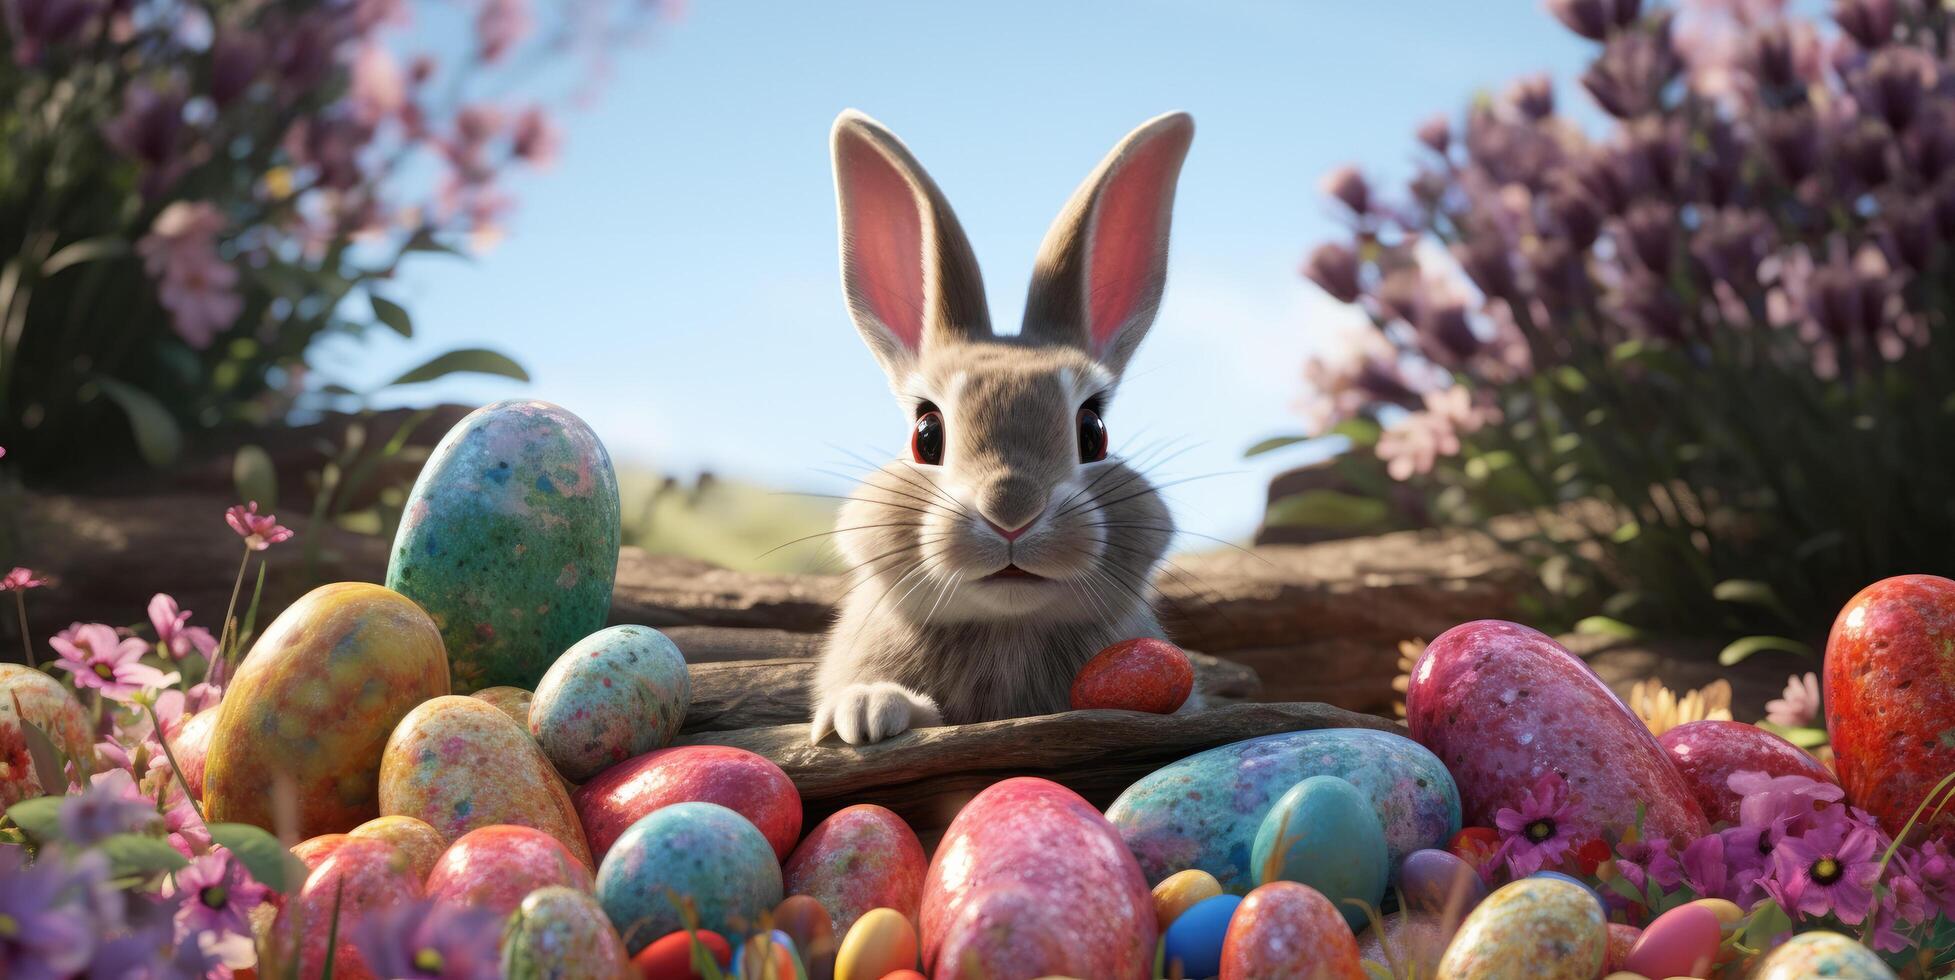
(1323, 833)
(1204, 811)
(615, 695)
(701, 851)
(1821, 954)
(1194, 940)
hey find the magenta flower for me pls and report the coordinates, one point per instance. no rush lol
(100, 659)
(1538, 834)
(174, 636)
(1769, 799)
(1644, 861)
(51, 932)
(1704, 867)
(218, 897)
(431, 940)
(1933, 866)
(259, 531)
(1799, 707)
(21, 579)
(1831, 868)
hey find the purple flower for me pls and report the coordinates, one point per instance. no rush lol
(217, 898)
(1628, 79)
(1436, 133)
(45, 929)
(148, 125)
(111, 805)
(501, 25)
(1594, 19)
(174, 636)
(100, 659)
(1349, 186)
(426, 939)
(1334, 268)
(236, 58)
(1644, 862)
(1768, 800)
(1538, 834)
(1830, 868)
(1870, 23)
(1704, 868)
(37, 24)
(1933, 866)
(1532, 97)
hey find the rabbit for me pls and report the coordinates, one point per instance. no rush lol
(1008, 546)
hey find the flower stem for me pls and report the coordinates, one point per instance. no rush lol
(26, 646)
(164, 741)
(230, 611)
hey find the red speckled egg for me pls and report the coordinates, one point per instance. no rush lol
(418, 841)
(1503, 705)
(1135, 675)
(670, 957)
(739, 780)
(862, 857)
(1622, 938)
(494, 867)
(314, 850)
(1030, 880)
(1890, 697)
(1706, 753)
(365, 877)
(1286, 929)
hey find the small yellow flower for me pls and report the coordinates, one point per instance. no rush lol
(1661, 709)
(1408, 657)
(278, 182)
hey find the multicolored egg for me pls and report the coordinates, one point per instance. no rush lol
(1204, 811)
(1440, 884)
(739, 780)
(19, 780)
(1284, 929)
(672, 955)
(561, 933)
(862, 857)
(1179, 892)
(1682, 942)
(1821, 954)
(510, 541)
(1503, 705)
(1192, 946)
(1030, 880)
(1554, 927)
(771, 956)
(1144, 674)
(615, 694)
(808, 924)
(1406, 945)
(1323, 833)
(459, 763)
(494, 867)
(513, 701)
(313, 703)
(191, 746)
(1890, 698)
(363, 878)
(701, 851)
(418, 842)
(46, 704)
(1706, 753)
(880, 942)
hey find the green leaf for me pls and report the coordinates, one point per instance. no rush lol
(1766, 922)
(1749, 591)
(138, 854)
(47, 758)
(86, 250)
(255, 477)
(472, 360)
(1604, 626)
(392, 314)
(1570, 378)
(1272, 444)
(1805, 738)
(260, 853)
(1745, 646)
(1626, 533)
(1325, 508)
(157, 437)
(40, 817)
(1363, 433)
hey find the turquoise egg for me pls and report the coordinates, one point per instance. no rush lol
(614, 695)
(509, 540)
(698, 851)
(1323, 833)
(1204, 811)
(1194, 939)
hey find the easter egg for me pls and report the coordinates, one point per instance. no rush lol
(1890, 698)
(1681, 942)
(494, 867)
(808, 924)
(1408, 945)
(418, 842)
(312, 705)
(615, 694)
(767, 957)
(511, 701)
(1440, 884)
(670, 957)
(1820, 954)
(880, 942)
(458, 764)
(363, 878)
(1180, 891)
(1030, 880)
(1323, 833)
(701, 851)
(1145, 674)
(904, 975)
(1553, 927)
(1205, 810)
(1503, 705)
(739, 780)
(560, 932)
(1286, 929)
(1622, 939)
(1577, 882)
(19, 779)
(862, 857)
(191, 746)
(313, 851)
(1194, 942)
(46, 704)
(1706, 753)
(509, 539)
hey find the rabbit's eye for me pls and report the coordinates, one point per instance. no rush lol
(927, 439)
(1092, 436)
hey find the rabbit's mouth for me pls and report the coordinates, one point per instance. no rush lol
(1013, 572)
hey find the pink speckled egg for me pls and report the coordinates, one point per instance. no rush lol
(1503, 705)
(1030, 880)
(1145, 674)
(365, 877)
(1708, 752)
(420, 843)
(1287, 929)
(739, 780)
(315, 850)
(1622, 939)
(191, 744)
(862, 857)
(494, 867)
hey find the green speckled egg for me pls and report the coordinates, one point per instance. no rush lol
(700, 851)
(46, 704)
(459, 763)
(1821, 954)
(510, 541)
(1552, 926)
(561, 933)
(1323, 833)
(616, 694)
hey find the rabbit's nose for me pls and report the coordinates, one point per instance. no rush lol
(1011, 507)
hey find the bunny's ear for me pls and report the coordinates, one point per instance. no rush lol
(1104, 264)
(907, 270)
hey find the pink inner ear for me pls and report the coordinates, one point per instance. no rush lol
(1126, 240)
(885, 254)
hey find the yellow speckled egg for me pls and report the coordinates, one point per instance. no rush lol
(417, 841)
(1178, 891)
(313, 704)
(514, 701)
(1555, 927)
(459, 763)
(563, 932)
(880, 943)
(1821, 954)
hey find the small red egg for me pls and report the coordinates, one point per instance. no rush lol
(904, 975)
(1286, 929)
(495, 867)
(670, 957)
(1144, 674)
(1622, 938)
(741, 781)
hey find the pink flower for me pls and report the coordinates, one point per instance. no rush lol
(259, 531)
(1704, 867)
(192, 282)
(174, 637)
(1768, 800)
(1799, 707)
(1538, 834)
(536, 138)
(379, 88)
(501, 25)
(218, 897)
(1645, 861)
(101, 660)
(1830, 868)
(20, 580)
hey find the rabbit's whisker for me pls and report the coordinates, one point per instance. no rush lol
(1173, 530)
(1160, 487)
(839, 530)
(1135, 470)
(838, 496)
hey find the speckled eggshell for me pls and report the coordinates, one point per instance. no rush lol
(1417, 942)
(458, 764)
(1284, 929)
(1890, 698)
(615, 694)
(494, 867)
(561, 933)
(739, 780)
(1502, 705)
(1622, 939)
(701, 851)
(862, 857)
(1204, 811)
(191, 745)
(1554, 927)
(513, 701)
(366, 877)
(418, 842)
(510, 541)
(1031, 880)
(1143, 674)
(18, 778)
(1706, 753)
(1820, 954)
(46, 704)
(1323, 833)
(313, 851)
(314, 702)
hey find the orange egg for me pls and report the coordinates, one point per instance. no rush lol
(880, 943)
(1179, 891)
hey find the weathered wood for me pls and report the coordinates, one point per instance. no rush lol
(716, 644)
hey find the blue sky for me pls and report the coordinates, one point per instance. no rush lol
(673, 278)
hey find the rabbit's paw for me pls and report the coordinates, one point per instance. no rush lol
(864, 714)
